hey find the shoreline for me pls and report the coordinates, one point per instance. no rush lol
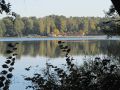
(73, 38)
(57, 36)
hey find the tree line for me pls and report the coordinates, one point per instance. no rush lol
(52, 25)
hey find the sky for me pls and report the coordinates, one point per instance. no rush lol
(79, 8)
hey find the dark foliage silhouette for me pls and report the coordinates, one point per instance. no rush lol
(28, 68)
(111, 27)
(116, 4)
(6, 73)
(4, 6)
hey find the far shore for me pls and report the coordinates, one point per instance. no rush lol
(66, 38)
(57, 36)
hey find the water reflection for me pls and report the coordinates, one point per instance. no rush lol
(33, 53)
(97, 74)
(51, 50)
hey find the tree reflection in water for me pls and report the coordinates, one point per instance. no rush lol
(38, 48)
(97, 74)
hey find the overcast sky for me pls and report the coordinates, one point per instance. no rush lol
(41, 8)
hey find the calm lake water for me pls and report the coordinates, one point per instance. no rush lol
(35, 52)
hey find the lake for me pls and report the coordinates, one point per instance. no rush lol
(33, 53)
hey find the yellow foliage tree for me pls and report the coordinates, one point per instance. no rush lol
(56, 31)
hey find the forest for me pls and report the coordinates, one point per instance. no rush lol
(52, 25)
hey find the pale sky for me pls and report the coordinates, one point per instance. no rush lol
(41, 8)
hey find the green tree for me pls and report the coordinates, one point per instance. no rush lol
(2, 29)
(9, 27)
(42, 27)
(36, 25)
(28, 26)
(18, 26)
